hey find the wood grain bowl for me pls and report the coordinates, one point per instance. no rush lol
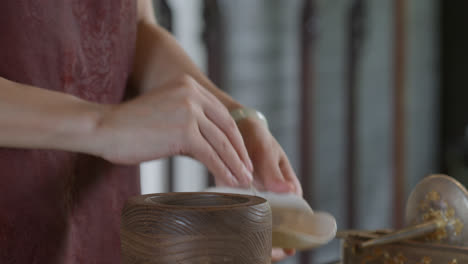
(196, 228)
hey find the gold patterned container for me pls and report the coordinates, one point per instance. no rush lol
(408, 252)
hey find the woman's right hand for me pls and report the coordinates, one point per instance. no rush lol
(179, 118)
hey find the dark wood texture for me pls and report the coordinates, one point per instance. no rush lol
(402, 253)
(164, 16)
(453, 91)
(213, 37)
(306, 106)
(196, 228)
(399, 112)
(355, 38)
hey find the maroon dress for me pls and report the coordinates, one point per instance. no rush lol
(55, 206)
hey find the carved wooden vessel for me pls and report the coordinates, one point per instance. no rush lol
(198, 228)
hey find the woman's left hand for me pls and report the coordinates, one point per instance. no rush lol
(272, 170)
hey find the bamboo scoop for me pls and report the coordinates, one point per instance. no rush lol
(436, 212)
(295, 224)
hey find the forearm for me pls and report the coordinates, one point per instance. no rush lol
(159, 58)
(32, 117)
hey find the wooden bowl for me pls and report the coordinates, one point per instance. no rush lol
(198, 228)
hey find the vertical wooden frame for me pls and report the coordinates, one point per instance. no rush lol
(355, 38)
(308, 27)
(213, 37)
(165, 19)
(164, 14)
(399, 53)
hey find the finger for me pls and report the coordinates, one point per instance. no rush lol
(290, 251)
(271, 177)
(289, 175)
(278, 254)
(202, 150)
(223, 147)
(218, 113)
(221, 182)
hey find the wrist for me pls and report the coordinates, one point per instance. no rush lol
(79, 129)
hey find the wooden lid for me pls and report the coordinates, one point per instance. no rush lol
(196, 228)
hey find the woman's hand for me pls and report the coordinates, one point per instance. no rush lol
(180, 117)
(278, 254)
(272, 170)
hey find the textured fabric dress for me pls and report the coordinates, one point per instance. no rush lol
(55, 206)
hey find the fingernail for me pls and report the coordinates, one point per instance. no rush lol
(250, 165)
(248, 175)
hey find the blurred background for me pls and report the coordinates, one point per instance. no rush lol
(367, 97)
